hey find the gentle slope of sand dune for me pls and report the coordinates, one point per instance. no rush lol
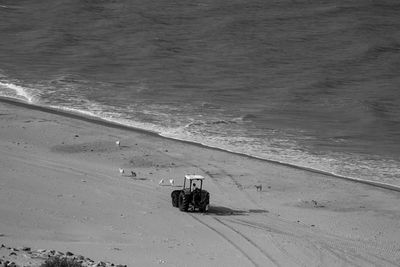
(60, 188)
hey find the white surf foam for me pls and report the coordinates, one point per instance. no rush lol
(112, 117)
(19, 91)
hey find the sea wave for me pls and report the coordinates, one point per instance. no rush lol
(10, 89)
(99, 111)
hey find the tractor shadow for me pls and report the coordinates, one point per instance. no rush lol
(224, 211)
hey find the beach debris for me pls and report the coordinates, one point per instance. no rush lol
(133, 174)
(121, 171)
(161, 182)
(258, 187)
(118, 143)
(171, 182)
(316, 204)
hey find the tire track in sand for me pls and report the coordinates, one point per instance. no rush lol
(251, 251)
(221, 173)
(326, 248)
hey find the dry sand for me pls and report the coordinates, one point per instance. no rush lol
(60, 189)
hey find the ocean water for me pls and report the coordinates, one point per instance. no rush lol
(310, 83)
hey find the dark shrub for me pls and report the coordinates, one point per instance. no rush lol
(61, 262)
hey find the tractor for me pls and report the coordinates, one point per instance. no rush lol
(192, 196)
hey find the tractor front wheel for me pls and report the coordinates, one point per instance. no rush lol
(204, 208)
(175, 198)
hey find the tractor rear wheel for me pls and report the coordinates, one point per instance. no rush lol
(183, 202)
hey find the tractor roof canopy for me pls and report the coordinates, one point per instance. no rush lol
(194, 177)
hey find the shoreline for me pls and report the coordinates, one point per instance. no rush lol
(106, 123)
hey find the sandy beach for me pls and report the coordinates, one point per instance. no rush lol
(60, 188)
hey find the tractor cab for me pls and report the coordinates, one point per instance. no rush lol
(193, 182)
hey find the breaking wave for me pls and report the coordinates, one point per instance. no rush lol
(8, 89)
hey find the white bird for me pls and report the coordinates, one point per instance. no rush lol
(161, 181)
(121, 171)
(118, 143)
(171, 181)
